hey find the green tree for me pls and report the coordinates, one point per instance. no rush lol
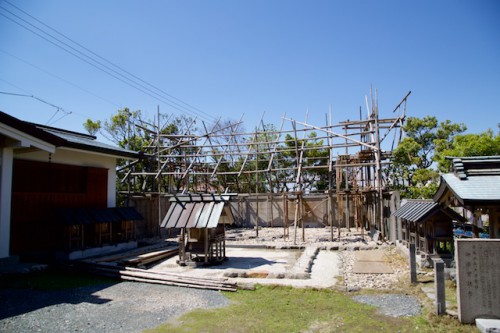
(314, 161)
(412, 170)
(127, 129)
(92, 126)
(482, 144)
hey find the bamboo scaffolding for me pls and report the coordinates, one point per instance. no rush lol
(223, 155)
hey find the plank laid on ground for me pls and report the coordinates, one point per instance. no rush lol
(134, 253)
(162, 278)
(187, 277)
(148, 258)
(170, 283)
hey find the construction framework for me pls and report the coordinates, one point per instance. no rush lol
(345, 161)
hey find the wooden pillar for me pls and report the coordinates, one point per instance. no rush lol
(475, 218)
(207, 241)
(330, 213)
(301, 207)
(286, 227)
(296, 218)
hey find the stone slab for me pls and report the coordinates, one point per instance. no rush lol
(478, 283)
(375, 255)
(371, 267)
(488, 325)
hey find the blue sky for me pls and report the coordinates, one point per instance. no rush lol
(228, 58)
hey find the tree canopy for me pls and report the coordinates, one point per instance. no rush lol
(413, 159)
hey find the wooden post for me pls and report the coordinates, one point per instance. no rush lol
(181, 245)
(257, 215)
(301, 207)
(207, 241)
(296, 216)
(413, 264)
(224, 243)
(270, 206)
(286, 229)
(330, 213)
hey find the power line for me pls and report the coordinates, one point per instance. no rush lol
(58, 108)
(108, 61)
(129, 79)
(131, 84)
(60, 78)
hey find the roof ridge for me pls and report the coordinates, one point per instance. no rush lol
(60, 130)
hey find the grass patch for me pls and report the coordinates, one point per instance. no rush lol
(285, 309)
(52, 280)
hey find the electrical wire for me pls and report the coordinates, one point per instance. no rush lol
(60, 78)
(58, 108)
(106, 60)
(131, 84)
(130, 80)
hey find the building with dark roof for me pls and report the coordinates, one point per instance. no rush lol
(473, 184)
(45, 169)
(429, 226)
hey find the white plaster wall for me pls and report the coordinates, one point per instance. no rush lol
(80, 158)
(6, 155)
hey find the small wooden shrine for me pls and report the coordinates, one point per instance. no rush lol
(202, 219)
(429, 226)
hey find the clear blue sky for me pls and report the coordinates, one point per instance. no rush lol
(228, 58)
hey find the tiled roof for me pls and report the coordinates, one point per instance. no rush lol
(465, 167)
(485, 188)
(63, 138)
(475, 181)
(86, 142)
(419, 210)
(414, 211)
(104, 215)
(128, 213)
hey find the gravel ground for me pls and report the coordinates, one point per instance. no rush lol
(133, 307)
(121, 307)
(393, 305)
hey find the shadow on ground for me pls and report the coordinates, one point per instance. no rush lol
(19, 301)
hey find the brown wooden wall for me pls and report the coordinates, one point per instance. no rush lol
(38, 189)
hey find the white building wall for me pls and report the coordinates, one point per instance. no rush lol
(6, 158)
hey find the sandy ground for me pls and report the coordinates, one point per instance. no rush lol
(307, 259)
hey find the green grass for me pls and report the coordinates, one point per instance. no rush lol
(52, 280)
(284, 309)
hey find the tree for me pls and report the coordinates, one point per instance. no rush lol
(314, 177)
(92, 126)
(482, 144)
(413, 159)
(127, 129)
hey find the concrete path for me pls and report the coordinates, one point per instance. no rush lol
(324, 272)
(307, 268)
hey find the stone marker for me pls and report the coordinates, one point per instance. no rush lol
(440, 301)
(478, 279)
